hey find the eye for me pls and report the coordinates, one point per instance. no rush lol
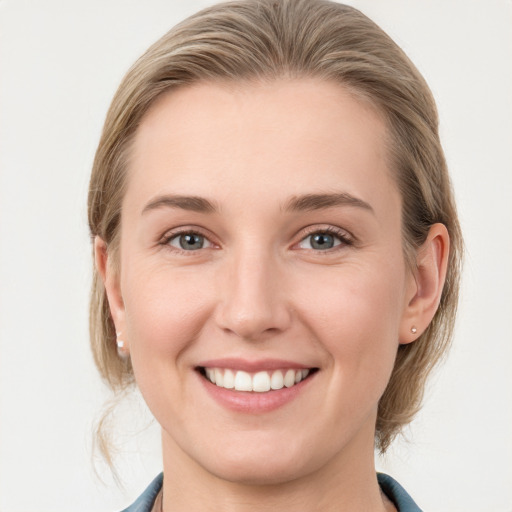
(189, 241)
(323, 240)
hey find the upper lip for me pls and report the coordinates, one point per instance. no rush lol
(253, 365)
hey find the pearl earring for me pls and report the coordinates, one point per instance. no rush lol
(414, 330)
(122, 351)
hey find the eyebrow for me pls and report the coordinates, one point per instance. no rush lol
(189, 203)
(306, 202)
(310, 202)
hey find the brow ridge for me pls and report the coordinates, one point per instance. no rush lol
(189, 203)
(305, 202)
(311, 202)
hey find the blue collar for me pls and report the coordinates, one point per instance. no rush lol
(391, 488)
(397, 494)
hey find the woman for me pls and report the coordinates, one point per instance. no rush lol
(277, 255)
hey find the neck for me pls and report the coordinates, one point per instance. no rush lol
(346, 483)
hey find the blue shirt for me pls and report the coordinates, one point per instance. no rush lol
(391, 488)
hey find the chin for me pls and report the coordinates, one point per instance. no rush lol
(262, 464)
(257, 473)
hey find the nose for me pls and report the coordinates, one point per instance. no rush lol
(253, 303)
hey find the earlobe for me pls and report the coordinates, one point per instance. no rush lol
(427, 284)
(110, 277)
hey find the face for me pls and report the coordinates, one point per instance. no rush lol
(261, 249)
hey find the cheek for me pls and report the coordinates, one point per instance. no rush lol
(165, 311)
(356, 314)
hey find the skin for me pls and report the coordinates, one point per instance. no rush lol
(258, 289)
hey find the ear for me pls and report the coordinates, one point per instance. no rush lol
(425, 284)
(110, 277)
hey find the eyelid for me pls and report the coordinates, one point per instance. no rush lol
(185, 230)
(344, 236)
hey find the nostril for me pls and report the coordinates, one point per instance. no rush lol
(252, 306)
(254, 327)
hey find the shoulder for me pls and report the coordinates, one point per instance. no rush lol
(397, 494)
(144, 502)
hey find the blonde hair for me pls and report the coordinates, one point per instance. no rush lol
(267, 40)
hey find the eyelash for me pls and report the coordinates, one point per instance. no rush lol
(341, 235)
(168, 237)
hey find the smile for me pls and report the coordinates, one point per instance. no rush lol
(259, 382)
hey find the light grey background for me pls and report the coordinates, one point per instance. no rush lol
(60, 63)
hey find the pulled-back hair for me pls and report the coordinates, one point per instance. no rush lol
(257, 40)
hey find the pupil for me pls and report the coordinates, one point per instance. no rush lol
(322, 241)
(191, 241)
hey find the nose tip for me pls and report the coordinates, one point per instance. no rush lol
(250, 327)
(254, 305)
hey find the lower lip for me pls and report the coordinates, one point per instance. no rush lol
(253, 402)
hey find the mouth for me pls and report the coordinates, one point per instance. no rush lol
(262, 381)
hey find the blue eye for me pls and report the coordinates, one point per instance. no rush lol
(322, 241)
(189, 241)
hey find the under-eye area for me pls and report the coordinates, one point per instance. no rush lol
(259, 382)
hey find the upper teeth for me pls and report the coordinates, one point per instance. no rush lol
(259, 382)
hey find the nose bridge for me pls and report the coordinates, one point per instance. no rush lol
(253, 300)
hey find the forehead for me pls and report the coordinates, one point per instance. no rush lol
(276, 138)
